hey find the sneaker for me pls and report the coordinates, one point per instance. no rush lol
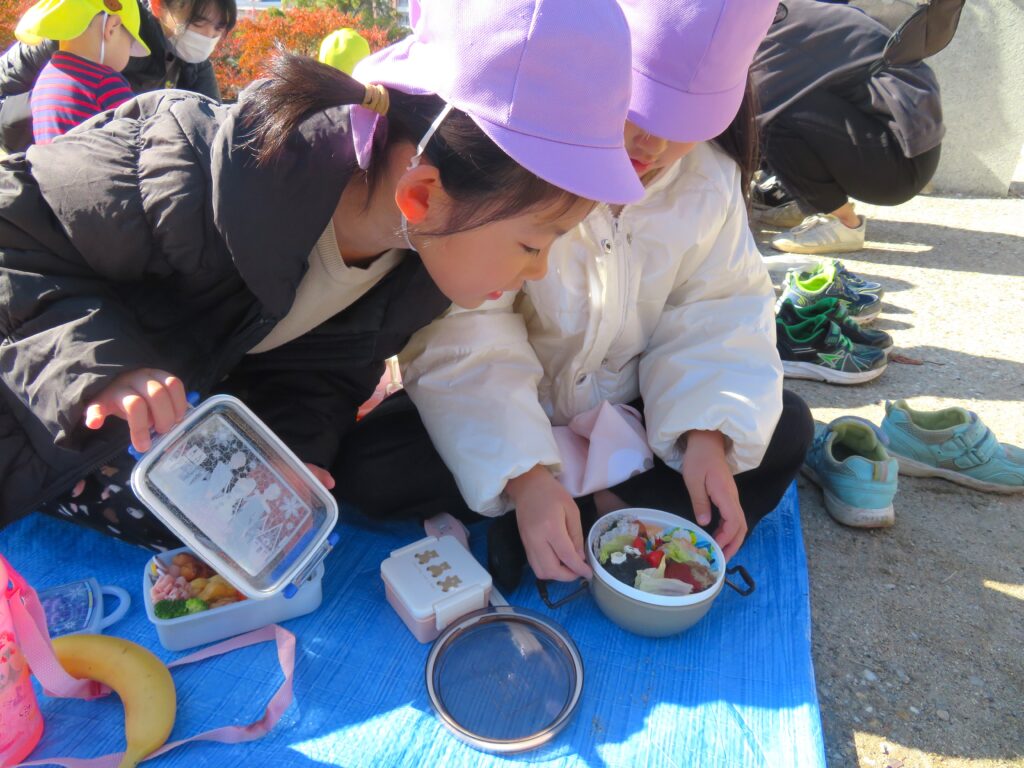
(856, 282)
(816, 349)
(836, 311)
(858, 477)
(821, 233)
(782, 216)
(953, 444)
(806, 288)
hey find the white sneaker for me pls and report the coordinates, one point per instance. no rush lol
(821, 233)
(784, 216)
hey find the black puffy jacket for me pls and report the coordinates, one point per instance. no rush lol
(148, 237)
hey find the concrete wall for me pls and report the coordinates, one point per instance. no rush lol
(982, 78)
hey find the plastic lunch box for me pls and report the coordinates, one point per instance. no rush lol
(229, 620)
(227, 486)
(432, 582)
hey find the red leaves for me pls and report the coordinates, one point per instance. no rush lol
(245, 54)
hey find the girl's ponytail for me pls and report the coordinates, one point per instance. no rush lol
(297, 87)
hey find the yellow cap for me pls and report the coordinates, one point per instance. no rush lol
(343, 49)
(67, 19)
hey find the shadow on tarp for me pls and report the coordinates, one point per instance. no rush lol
(737, 690)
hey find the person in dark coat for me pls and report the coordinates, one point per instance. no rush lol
(180, 35)
(838, 123)
(281, 249)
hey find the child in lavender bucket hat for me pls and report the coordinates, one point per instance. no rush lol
(481, 138)
(663, 305)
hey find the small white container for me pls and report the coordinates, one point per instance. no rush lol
(432, 582)
(229, 620)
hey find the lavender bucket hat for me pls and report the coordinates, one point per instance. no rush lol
(690, 62)
(546, 80)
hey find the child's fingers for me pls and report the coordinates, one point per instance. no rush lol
(699, 499)
(162, 409)
(568, 554)
(136, 413)
(95, 415)
(322, 475)
(179, 399)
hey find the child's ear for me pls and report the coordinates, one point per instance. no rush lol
(113, 22)
(417, 190)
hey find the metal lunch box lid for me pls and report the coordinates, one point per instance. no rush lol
(504, 679)
(238, 497)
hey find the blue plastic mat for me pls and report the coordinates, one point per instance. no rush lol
(735, 691)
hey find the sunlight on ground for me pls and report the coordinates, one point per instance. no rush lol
(876, 752)
(1011, 590)
(873, 245)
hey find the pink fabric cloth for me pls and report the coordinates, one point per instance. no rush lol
(602, 447)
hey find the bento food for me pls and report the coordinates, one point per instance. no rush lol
(188, 585)
(673, 561)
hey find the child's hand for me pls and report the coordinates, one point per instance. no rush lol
(709, 481)
(146, 398)
(549, 525)
(321, 474)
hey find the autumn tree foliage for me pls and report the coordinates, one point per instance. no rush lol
(244, 54)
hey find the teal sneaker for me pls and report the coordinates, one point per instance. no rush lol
(848, 460)
(806, 288)
(953, 444)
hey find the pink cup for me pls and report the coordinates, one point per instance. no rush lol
(21, 722)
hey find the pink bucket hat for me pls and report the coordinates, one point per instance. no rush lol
(690, 62)
(547, 81)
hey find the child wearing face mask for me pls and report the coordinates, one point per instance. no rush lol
(179, 36)
(96, 38)
(662, 305)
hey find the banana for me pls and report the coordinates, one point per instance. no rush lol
(137, 676)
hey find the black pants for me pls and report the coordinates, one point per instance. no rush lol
(389, 469)
(826, 150)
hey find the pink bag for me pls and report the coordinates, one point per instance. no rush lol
(21, 722)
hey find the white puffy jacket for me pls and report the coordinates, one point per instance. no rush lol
(670, 302)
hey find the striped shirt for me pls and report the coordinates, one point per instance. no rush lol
(69, 91)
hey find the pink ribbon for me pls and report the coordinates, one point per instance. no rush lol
(34, 641)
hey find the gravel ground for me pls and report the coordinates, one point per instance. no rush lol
(918, 630)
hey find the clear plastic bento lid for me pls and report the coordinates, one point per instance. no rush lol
(238, 497)
(504, 679)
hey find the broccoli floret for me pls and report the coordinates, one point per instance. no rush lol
(170, 609)
(195, 605)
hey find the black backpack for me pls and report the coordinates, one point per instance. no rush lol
(925, 32)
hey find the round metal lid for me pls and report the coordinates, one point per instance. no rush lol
(504, 679)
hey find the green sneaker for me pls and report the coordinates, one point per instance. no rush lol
(806, 288)
(816, 349)
(953, 444)
(857, 476)
(835, 310)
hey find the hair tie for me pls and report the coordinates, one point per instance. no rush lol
(377, 99)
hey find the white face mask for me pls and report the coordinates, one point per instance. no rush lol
(188, 45)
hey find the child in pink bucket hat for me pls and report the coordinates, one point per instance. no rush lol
(662, 304)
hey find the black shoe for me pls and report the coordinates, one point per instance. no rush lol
(506, 556)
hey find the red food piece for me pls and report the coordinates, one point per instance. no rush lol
(640, 543)
(696, 576)
(658, 543)
(654, 558)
